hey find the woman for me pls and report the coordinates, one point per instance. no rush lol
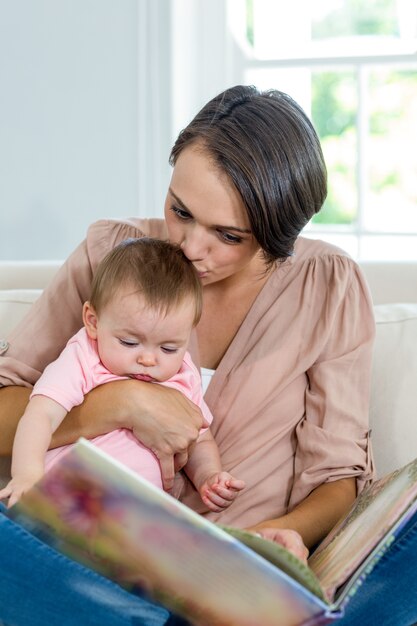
(287, 327)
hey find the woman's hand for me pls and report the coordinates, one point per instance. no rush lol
(290, 539)
(167, 423)
(163, 419)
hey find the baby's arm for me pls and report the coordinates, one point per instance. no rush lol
(33, 435)
(217, 488)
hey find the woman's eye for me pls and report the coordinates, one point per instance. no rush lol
(228, 237)
(127, 343)
(182, 214)
(169, 350)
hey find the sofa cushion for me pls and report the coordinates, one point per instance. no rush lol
(14, 303)
(393, 414)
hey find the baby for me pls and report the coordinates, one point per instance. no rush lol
(146, 298)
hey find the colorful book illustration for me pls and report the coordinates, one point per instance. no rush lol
(95, 510)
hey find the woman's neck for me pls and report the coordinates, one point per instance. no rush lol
(225, 307)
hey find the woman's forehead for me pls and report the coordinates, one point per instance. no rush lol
(197, 185)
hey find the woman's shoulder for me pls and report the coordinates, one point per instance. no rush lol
(130, 226)
(306, 249)
(321, 258)
(317, 269)
(105, 234)
(321, 268)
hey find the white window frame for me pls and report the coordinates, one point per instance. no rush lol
(403, 56)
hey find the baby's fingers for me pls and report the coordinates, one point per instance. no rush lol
(224, 492)
(5, 492)
(12, 493)
(15, 496)
(215, 502)
(236, 484)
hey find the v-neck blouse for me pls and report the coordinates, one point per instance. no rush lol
(290, 396)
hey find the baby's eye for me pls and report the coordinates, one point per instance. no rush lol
(169, 350)
(129, 343)
(182, 214)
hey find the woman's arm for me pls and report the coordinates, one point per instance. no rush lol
(13, 402)
(163, 419)
(315, 516)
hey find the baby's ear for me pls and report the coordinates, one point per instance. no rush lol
(90, 320)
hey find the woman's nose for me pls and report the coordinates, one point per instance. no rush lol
(194, 244)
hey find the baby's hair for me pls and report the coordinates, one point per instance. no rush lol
(157, 270)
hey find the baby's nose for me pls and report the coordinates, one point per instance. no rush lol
(147, 359)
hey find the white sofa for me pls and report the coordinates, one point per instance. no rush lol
(393, 413)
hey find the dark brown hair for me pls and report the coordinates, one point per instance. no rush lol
(158, 270)
(266, 145)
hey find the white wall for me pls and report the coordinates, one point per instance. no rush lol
(68, 121)
(92, 96)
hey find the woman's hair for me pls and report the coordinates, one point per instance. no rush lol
(267, 146)
(155, 269)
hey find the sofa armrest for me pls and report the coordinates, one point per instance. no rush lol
(393, 409)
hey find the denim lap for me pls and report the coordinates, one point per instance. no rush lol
(388, 596)
(41, 586)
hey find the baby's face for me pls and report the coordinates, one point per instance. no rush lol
(137, 341)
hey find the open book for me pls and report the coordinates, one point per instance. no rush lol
(93, 509)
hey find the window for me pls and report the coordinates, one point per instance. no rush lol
(352, 65)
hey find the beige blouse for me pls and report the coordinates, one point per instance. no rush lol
(290, 396)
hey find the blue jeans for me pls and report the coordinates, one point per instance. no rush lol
(388, 596)
(39, 586)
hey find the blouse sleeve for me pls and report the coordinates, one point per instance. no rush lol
(69, 378)
(333, 438)
(57, 315)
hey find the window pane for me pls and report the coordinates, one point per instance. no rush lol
(334, 105)
(392, 197)
(354, 17)
(330, 27)
(389, 248)
(369, 247)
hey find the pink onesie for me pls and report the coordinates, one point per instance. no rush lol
(77, 370)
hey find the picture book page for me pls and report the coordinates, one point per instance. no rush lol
(375, 513)
(280, 557)
(119, 524)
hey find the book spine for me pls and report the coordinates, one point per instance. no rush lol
(328, 617)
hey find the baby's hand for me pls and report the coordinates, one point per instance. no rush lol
(16, 488)
(219, 491)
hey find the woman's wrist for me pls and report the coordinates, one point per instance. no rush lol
(126, 401)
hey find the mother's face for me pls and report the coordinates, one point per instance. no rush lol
(206, 217)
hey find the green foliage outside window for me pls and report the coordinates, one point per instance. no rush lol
(391, 117)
